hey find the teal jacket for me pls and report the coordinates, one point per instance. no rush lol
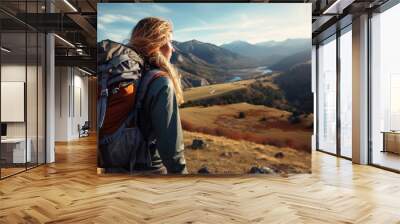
(160, 122)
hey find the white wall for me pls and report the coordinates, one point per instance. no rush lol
(16, 73)
(80, 102)
(33, 126)
(12, 73)
(62, 81)
(71, 93)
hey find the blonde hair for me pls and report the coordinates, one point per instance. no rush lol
(148, 36)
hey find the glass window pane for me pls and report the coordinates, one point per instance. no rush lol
(13, 85)
(385, 84)
(327, 97)
(32, 86)
(346, 94)
(31, 97)
(23, 85)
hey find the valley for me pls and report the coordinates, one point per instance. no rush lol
(204, 63)
(249, 112)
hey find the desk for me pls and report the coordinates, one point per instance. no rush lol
(391, 141)
(13, 150)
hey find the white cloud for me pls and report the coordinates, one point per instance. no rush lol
(256, 29)
(200, 28)
(160, 9)
(112, 18)
(100, 26)
(115, 34)
(248, 27)
(238, 23)
(116, 37)
(109, 28)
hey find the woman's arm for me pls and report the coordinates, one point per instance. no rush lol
(166, 125)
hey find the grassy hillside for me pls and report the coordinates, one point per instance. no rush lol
(226, 156)
(259, 91)
(198, 93)
(260, 124)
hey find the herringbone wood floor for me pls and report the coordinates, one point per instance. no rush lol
(70, 191)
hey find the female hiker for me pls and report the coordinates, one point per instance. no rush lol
(159, 119)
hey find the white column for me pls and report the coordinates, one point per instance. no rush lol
(314, 91)
(50, 99)
(62, 103)
(360, 90)
(50, 92)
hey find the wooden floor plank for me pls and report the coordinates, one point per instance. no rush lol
(71, 191)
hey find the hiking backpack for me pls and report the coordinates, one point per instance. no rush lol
(117, 64)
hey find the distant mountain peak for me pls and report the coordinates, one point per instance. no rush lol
(281, 42)
(211, 54)
(236, 42)
(239, 42)
(195, 41)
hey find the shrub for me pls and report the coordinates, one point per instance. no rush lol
(241, 115)
(295, 117)
(263, 119)
(187, 125)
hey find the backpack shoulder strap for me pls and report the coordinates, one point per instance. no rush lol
(102, 101)
(144, 84)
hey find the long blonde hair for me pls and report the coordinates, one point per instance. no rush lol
(148, 36)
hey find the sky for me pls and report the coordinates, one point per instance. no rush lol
(216, 23)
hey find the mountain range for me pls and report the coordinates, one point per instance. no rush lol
(288, 62)
(214, 55)
(204, 63)
(270, 52)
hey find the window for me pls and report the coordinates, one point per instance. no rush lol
(346, 93)
(22, 76)
(385, 89)
(327, 96)
(394, 101)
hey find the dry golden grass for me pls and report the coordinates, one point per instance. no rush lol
(226, 156)
(210, 91)
(203, 92)
(259, 122)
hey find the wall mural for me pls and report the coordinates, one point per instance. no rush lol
(204, 88)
